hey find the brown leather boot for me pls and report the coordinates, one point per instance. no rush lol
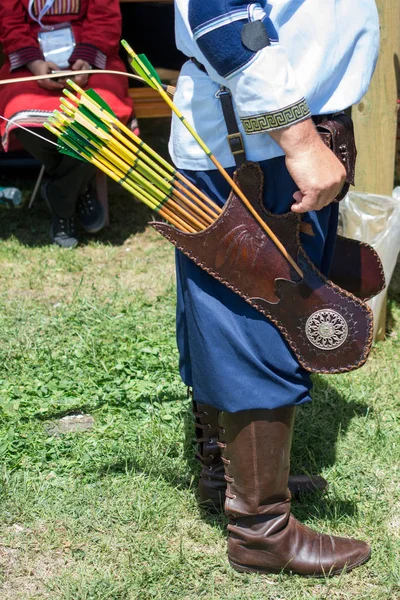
(212, 484)
(263, 535)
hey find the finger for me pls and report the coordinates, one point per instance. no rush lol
(327, 196)
(78, 65)
(48, 84)
(298, 205)
(298, 196)
(55, 85)
(306, 206)
(306, 202)
(81, 80)
(299, 208)
(53, 66)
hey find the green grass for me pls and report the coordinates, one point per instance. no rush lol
(111, 513)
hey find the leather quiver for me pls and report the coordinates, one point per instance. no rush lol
(328, 328)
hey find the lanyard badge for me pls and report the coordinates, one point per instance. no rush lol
(56, 42)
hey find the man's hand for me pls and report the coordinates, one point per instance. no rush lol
(319, 175)
(81, 65)
(42, 67)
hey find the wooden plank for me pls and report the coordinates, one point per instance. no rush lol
(148, 103)
(375, 117)
(375, 120)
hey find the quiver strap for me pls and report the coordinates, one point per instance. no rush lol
(329, 329)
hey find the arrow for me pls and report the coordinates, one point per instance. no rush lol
(87, 129)
(167, 88)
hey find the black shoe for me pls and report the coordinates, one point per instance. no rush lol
(91, 212)
(63, 232)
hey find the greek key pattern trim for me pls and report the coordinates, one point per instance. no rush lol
(275, 120)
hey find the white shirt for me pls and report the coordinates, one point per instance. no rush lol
(326, 54)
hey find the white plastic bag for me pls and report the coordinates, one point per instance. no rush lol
(375, 220)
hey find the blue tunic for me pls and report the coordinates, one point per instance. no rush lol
(233, 357)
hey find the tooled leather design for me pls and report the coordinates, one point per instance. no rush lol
(259, 273)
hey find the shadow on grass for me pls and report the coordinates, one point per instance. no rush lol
(127, 215)
(318, 428)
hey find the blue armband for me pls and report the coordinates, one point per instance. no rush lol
(230, 33)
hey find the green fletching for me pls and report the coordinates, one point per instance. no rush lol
(84, 110)
(149, 67)
(63, 148)
(80, 137)
(95, 96)
(143, 67)
(142, 73)
(83, 135)
(81, 144)
(92, 117)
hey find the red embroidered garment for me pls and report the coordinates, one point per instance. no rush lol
(97, 30)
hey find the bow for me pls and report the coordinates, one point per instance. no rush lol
(169, 89)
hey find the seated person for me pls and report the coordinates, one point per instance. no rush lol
(39, 37)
